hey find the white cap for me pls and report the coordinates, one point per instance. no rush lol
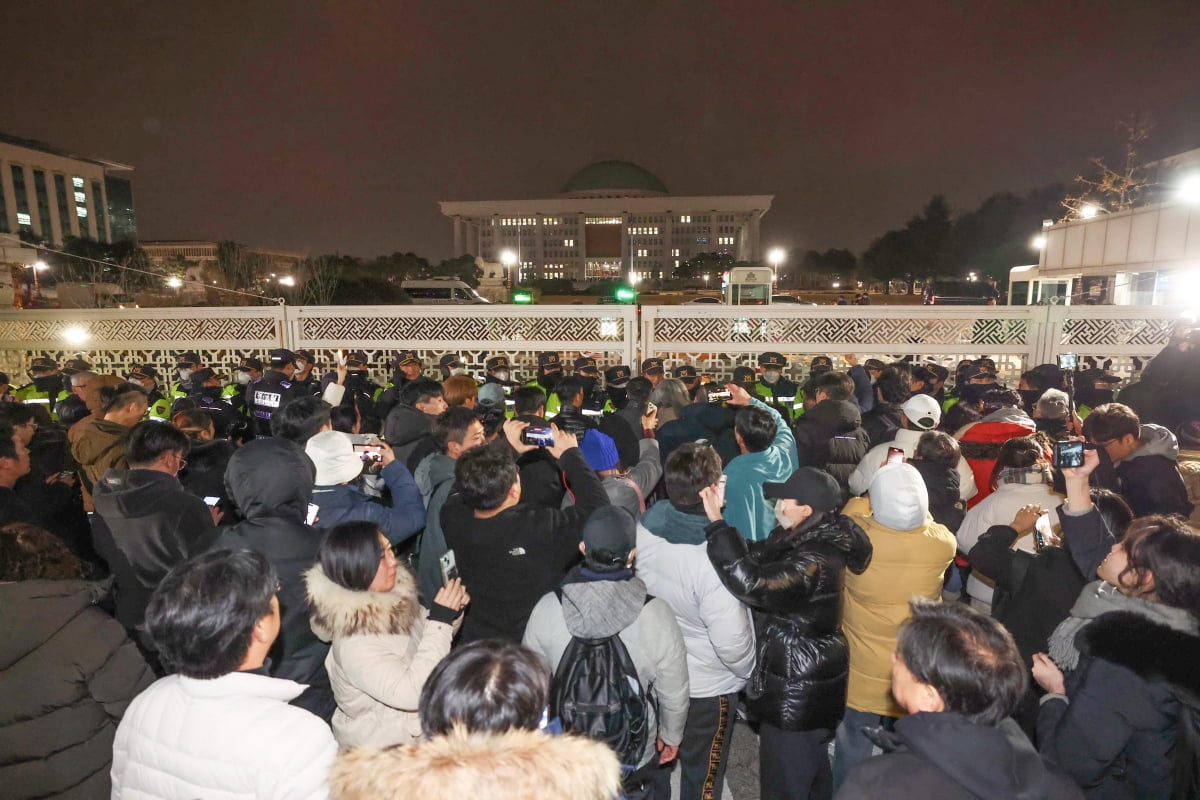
(332, 452)
(922, 411)
(898, 497)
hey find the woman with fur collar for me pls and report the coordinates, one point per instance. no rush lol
(482, 711)
(1123, 722)
(384, 644)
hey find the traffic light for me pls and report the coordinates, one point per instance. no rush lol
(625, 294)
(522, 296)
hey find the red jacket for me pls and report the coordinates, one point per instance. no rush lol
(981, 444)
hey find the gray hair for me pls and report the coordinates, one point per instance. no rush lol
(1053, 404)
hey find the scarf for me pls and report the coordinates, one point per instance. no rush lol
(1099, 598)
(1027, 475)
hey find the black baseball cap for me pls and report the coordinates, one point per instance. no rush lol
(1094, 375)
(772, 360)
(974, 371)
(874, 363)
(251, 363)
(808, 486)
(744, 375)
(201, 375)
(75, 365)
(685, 373)
(610, 529)
(143, 371)
(585, 363)
(307, 355)
(404, 356)
(43, 362)
(821, 362)
(940, 372)
(549, 360)
(282, 356)
(450, 360)
(190, 357)
(355, 357)
(496, 362)
(619, 374)
(652, 365)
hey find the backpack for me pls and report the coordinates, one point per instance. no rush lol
(597, 694)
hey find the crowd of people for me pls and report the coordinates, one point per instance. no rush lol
(303, 584)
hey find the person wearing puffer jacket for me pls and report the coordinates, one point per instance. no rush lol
(910, 555)
(717, 628)
(1142, 461)
(980, 442)
(384, 644)
(830, 435)
(793, 583)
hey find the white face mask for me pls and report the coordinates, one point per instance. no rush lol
(501, 375)
(458, 371)
(184, 374)
(300, 365)
(781, 518)
(772, 375)
(243, 378)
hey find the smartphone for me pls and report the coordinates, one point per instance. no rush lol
(368, 454)
(1042, 531)
(721, 489)
(1068, 360)
(538, 436)
(716, 397)
(363, 438)
(651, 408)
(1068, 454)
(449, 567)
(313, 508)
(212, 501)
(895, 455)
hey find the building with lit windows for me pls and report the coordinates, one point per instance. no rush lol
(51, 194)
(611, 220)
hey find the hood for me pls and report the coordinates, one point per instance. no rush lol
(210, 456)
(513, 765)
(666, 521)
(1014, 416)
(124, 493)
(270, 478)
(987, 761)
(96, 437)
(846, 535)
(407, 424)
(1156, 441)
(1139, 644)
(434, 470)
(841, 415)
(36, 610)
(898, 497)
(596, 608)
(338, 612)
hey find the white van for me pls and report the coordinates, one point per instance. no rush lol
(441, 290)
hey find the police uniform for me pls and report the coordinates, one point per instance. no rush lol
(783, 395)
(182, 388)
(235, 393)
(268, 394)
(616, 380)
(691, 379)
(501, 363)
(548, 364)
(210, 399)
(44, 390)
(159, 404)
(388, 397)
(747, 379)
(652, 367)
(360, 392)
(309, 385)
(595, 401)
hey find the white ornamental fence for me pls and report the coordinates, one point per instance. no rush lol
(714, 338)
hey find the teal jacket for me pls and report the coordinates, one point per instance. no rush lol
(745, 507)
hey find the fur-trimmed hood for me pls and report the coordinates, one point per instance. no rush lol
(1155, 652)
(517, 765)
(337, 612)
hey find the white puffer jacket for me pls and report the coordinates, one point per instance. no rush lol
(230, 738)
(384, 648)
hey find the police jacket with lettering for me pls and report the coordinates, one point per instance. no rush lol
(265, 396)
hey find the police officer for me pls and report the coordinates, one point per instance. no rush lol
(691, 379)
(451, 365)
(616, 379)
(146, 376)
(595, 401)
(747, 379)
(303, 381)
(185, 365)
(777, 391)
(45, 387)
(208, 396)
(249, 369)
(360, 391)
(406, 367)
(271, 392)
(652, 370)
(499, 370)
(549, 374)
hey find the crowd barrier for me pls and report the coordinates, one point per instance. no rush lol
(715, 338)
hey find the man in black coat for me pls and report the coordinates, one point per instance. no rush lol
(146, 522)
(830, 435)
(958, 674)
(793, 583)
(271, 392)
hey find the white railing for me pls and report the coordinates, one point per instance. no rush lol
(714, 338)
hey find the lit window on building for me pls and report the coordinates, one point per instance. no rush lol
(724, 240)
(675, 252)
(604, 220)
(80, 211)
(24, 219)
(77, 182)
(685, 218)
(568, 242)
(642, 253)
(80, 198)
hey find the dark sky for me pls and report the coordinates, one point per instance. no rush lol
(324, 126)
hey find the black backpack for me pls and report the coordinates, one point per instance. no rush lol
(597, 694)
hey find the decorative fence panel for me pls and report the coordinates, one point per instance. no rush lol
(715, 338)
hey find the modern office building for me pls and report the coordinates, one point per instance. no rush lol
(612, 219)
(50, 194)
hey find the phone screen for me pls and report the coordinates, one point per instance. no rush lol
(368, 454)
(212, 501)
(538, 435)
(313, 508)
(895, 455)
(1068, 454)
(1068, 361)
(721, 488)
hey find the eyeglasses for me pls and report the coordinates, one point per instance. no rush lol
(30, 424)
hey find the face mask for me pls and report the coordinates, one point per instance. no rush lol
(301, 366)
(458, 371)
(617, 395)
(243, 378)
(501, 375)
(550, 380)
(772, 375)
(184, 374)
(588, 384)
(780, 517)
(1029, 398)
(1093, 397)
(45, 382)
(358, 374)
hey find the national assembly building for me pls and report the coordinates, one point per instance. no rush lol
(612, 220)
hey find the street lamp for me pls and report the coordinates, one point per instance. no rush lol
(777, 256)
(508, 258)
(1189, 189)
(1088, 211)
(1037, 242)
(38, 266)
(174, 283)
(287, 280)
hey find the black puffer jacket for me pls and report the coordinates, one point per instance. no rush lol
(271, 481)
(68, 672)
(792, 581)
(830, 436)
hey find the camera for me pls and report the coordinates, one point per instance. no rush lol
(1068, 454)
(1068, 360)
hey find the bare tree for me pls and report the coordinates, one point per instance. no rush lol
(319, 279)
(1116, 187)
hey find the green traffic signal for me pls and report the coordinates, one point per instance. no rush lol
(625, 295)
(522, 298)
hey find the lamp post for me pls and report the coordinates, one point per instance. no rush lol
(777, 256)
(508, 258)
(38, 266)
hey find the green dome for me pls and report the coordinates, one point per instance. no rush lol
(613, 177)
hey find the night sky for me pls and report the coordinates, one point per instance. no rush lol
(322, 126)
